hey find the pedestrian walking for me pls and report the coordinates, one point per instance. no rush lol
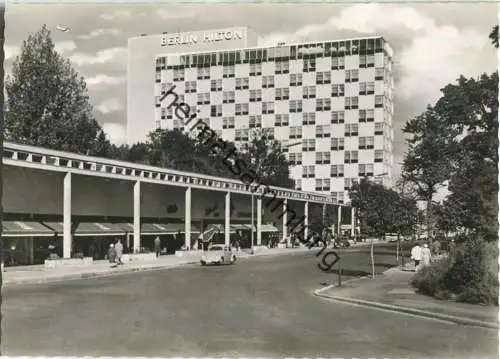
(426, 256)
(111, 253)
(416, 255)
(157, 246)
(119, 252)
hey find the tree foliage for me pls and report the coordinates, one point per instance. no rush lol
(494, 36)
(47, 101)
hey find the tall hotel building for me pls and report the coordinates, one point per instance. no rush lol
(330, 103)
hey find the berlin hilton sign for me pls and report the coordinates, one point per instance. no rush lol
(207, 36)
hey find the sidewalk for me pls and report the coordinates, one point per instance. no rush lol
(38, 274)
(391, 291)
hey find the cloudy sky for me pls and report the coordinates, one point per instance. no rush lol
(433, 43)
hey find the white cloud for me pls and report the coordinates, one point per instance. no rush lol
(11, 51)
(120, 14)
(65, 46)
(433, 55)
(104, 80)
(99, 32)
(115, 132)
(101, 57)
(110, 105)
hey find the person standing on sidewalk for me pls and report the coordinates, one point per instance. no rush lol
(426, 256)
(157, 246)
(119, 252)
(111, 253)
(416, 255)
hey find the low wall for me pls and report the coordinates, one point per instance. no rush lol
(68, 262)
(139, 257)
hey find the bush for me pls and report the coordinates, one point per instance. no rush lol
(429, 280)
(470, 274)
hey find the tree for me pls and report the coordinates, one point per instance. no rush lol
(427, 164)
(494, 36)
(268, 159)
(2, 101)
(47, 101)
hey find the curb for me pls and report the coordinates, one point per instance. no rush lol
(404, 310)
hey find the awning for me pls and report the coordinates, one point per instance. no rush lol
(268, 228)
(157, 229)
(221, 227)
(98, 229)
(240, 227)
(25, 229)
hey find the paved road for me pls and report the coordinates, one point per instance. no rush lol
(258, 307)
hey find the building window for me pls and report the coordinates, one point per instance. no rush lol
(309, 65)
(255, 95)
(267, 107)
(179, 75)
(228, 122)
(190, 86)
(282, 93)
(351, 157)
(337, 144)
(309, 92)
(323, 131)
(203, 98)
(309, 118)
(352, 76)
(351, 129)
(379, 128)
(241, 135)
(379, 101)
(295, 132)
(268, 133)
(242, 83)
(379, 155)
(351, 103)
(366, 61)
(255, 69)
(338, 90)
(379, 74)
(295, 159)
(255, 121)
(308, 171)
(365, 170)
(296, 80)
(349, 182)
(216, 85)
(268, 82)
(324, 104)
(366, 143)
(323, 158)
(228, 72)
(337, 171)
(228, 97)
(337, 117)
(298, 185)
(216, 110)
(281, 120)
(308, 145)
(366, 115)
(203, 73)
(282, 67)
(323, 184)
(241, 109)
(296, 106)
(338, 63)
(158, 124)
(323, 78)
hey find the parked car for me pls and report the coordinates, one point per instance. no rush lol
(218, 254)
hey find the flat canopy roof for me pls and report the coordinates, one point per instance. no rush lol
(25, 229)
(159, 228)
(84, 229)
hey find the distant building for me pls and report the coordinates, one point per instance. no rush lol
(330, 103)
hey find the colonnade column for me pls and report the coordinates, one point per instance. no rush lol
(137, 217)
(67, 240)
(285, 218)
(339, 220)
(227, 220)
(187, 221)
(259, 221)
(353, 222)
(306, 220)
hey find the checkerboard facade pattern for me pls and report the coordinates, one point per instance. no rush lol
(329, 103)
